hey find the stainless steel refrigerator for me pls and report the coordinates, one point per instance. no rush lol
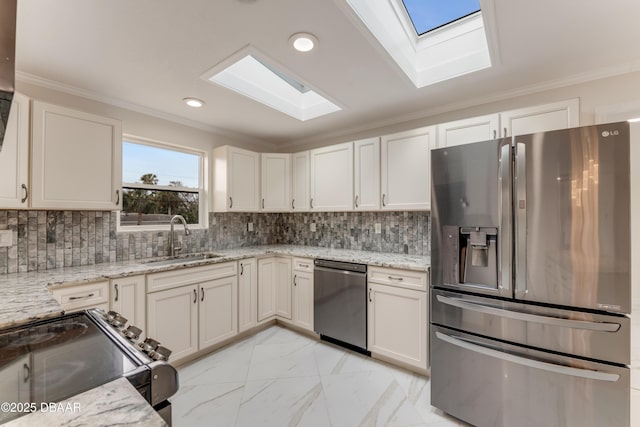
(531, 279)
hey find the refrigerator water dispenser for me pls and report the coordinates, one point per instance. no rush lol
(471, 256)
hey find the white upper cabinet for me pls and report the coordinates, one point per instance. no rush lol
(275, 183)
(300, 175)
(76, 159)
(366, 172)
(405, 169)
(541, 118)
(14, 156)
(466, 131)
(332, 178)
(236, 182)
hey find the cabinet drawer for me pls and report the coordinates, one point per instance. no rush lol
(190, 275)
(303, 264)
(84, 296)
(401, 278)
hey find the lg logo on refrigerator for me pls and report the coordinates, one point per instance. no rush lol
(606, 133)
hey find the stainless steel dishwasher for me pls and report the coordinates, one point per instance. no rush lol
(340, 303)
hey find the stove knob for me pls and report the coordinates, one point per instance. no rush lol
(119, 321)
(149, 345)
(132, 332)
(160, 353)
(111, 315)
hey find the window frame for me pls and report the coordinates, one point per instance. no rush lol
(203, 199)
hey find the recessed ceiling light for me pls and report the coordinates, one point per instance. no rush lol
(193, 102)
(303, 42)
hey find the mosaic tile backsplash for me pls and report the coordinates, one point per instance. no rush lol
(53, 239)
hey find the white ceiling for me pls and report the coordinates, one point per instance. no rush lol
(150, 54)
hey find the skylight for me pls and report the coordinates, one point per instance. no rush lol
(427, 15)
(404, 29)
(252, 75)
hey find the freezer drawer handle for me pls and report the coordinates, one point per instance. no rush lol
(547, 320)
(536, 364)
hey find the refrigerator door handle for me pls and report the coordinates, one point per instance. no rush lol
(527, 317)
(532, 363)
(521, 220)
(504, 224)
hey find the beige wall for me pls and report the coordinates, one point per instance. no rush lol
(594, 96)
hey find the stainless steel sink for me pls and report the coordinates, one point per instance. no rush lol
(183, 259)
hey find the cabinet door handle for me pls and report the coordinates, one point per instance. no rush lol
(117, 197)
(356, 201)
(304, 265)
(27, 372)
(293, 204)
(117, 293)
(195, 296)
(311, 203)
(202, 291)
(262, 203)
(370, 295)
(505, 132)
(83, 297)
(241, 269)
(230, 202)
(26, 193)
(399, 279)
(495, 134)
(294, 280)
(384, 203)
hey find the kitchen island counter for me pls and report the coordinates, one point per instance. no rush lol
(112, 404)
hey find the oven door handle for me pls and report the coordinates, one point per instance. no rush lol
(531, 363)
(526, 317)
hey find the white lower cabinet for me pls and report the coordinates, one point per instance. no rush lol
(247, 294)
(128, 298)
(217, 310)
(173, 320)
(15, 383)
(397, 324)
(274, 288)
(283, 282)
(191, 317)
(266, 288)
(303, 299)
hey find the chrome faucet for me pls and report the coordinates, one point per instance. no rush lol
(173, 248)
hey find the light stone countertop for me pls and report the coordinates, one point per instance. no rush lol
(25, 297)
(116, 403)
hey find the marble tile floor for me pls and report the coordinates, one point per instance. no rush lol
(278, 378)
